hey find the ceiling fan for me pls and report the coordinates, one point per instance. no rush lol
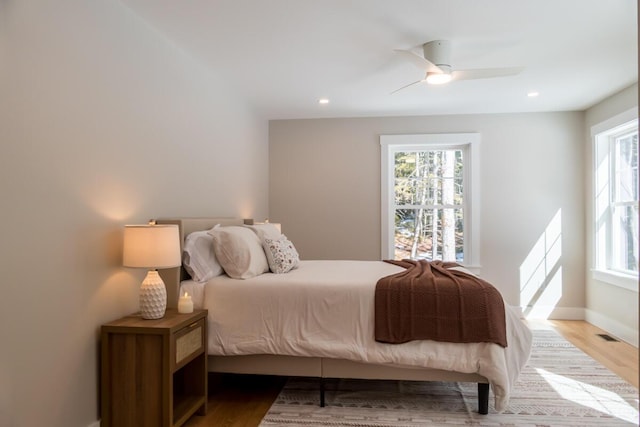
(438, 70)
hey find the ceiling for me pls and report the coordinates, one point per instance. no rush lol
(284, 55)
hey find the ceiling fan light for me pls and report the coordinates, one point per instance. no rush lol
(438, 78)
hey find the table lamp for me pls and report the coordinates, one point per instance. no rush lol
(152, 246)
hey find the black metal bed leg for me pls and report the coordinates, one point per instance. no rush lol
(321, 392)
(483, 398)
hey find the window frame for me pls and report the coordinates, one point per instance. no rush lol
(603, 134)
(469, 143)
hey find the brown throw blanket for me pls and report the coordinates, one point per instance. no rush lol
(429, 302)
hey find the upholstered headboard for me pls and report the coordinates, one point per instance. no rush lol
(173, 276)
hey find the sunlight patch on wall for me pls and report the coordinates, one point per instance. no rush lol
(541, 272)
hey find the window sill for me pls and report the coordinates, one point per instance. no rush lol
(621, 280)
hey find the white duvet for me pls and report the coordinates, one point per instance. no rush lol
(325, 309)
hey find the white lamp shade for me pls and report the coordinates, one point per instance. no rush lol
(151, 246)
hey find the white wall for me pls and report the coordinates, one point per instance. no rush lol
(103, 122)
(610, 307)
(325, 190)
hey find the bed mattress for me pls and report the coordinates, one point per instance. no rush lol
(325, 309)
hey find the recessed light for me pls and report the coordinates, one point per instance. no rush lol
(323, 101)
(533, 94)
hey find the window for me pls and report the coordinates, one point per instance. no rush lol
(616, 200)
(428, 206)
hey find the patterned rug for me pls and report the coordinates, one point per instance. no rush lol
(561, 386)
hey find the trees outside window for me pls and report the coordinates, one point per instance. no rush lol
(427, 199)
(429, 205)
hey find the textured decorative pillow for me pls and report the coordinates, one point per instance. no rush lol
(239, 252)
(199, 258)
(266, 230)
(281, 254)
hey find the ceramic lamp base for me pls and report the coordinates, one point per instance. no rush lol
(153, 296)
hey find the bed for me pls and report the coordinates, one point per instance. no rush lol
(315, 321)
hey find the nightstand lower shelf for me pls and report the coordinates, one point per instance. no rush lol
(185, 406)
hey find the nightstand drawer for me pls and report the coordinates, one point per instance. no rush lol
(188, 342)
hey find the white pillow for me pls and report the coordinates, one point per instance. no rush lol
(239, 251)
(265, 230)
(199, 258)
(281, 254)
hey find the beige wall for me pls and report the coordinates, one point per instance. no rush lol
(613, 308)
(324, 180)
(103, 122)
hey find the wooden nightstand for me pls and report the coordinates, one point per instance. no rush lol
(154, 372)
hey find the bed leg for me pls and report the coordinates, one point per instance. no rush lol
(483, 398)
(321, 392)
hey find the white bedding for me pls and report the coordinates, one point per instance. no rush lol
(325, 309)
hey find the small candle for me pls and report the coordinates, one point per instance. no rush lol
(185, 304)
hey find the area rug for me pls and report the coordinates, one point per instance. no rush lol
(561, 386)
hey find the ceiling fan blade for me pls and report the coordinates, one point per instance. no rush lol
(485, 73)
(406, 86)
(422, 63)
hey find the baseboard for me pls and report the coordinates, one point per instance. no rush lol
(94, 424)
(613, 327)
(551, 312)
(609, 325)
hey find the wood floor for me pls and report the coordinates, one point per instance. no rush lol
(242, 401)
(618, 356)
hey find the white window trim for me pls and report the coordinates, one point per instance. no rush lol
(603, 130)
(626, 281)
(470, 142)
